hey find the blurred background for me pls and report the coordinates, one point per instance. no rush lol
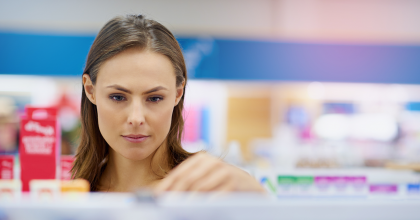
(274, 85)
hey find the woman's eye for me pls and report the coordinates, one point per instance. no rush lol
(155, 99)
(117, 98)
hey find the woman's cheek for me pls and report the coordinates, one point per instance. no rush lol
(107, 119)
(162, 117)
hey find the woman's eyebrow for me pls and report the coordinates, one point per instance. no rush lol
(157, 88)
(118, 87)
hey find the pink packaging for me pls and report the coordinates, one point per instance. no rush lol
(383, 188)
(39, 145)
(358, 183)
(6, 167)
(66, 165)
(324, 184)
(191, 125)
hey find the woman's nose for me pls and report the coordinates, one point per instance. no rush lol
(136, 115)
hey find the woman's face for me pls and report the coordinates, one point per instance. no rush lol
(135, 94)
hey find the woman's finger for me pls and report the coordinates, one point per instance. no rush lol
(228, 186)
(177, 172)
(188, 164)
(189, 177)
(213, 180)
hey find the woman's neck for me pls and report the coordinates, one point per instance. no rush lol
(125, 175)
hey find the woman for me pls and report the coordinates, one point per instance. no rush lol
(132, 100)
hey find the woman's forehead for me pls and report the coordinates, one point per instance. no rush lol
(137, 68)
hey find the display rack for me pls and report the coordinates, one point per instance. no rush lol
(211, 206)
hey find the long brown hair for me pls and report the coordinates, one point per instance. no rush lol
(116, 36)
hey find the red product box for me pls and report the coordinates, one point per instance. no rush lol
(66, 165)
(39, 145)
(6, 167)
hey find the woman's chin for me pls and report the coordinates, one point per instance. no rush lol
(136, 154)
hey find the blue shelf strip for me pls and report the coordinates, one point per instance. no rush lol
(226, 59)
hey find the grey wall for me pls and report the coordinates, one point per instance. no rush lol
(370, 21)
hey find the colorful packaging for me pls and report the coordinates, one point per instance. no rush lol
(295, 185)
(358, 185)
(286, 185)
(66, 165)
(39, 145)
(305, 185)
(383, 189)
(324, 185)
(75, 190)
(75, 186)
(45, 190)
(340, 185)
(413, 189)
(6, 167)
(191, 125)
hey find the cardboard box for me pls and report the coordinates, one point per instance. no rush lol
(66, 165)
(6, 167)
(10, 190)
(39, 145)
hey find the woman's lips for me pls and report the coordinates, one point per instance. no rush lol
(135, 138)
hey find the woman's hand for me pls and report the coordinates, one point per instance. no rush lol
(203, 172)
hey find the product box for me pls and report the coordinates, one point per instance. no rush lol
(324, 185)
(45, 190)
(66, 165)
(10, 190)
(286, 185)
(341, 185)
(75, 186)
(305, 185)
(383, 189)
(358, 185)
(6, 167)
(413, 189)
(39, 145)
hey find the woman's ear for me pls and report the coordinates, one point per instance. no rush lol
(179, 93)
(89, 88)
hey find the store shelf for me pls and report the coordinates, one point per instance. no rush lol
(228, 59)
(214, 206)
